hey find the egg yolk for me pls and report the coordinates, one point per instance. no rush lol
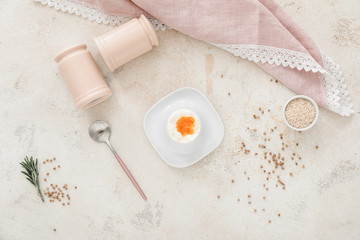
(185, 126)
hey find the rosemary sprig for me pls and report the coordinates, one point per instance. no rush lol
(32, 173)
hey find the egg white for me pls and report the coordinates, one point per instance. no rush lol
(171, 126)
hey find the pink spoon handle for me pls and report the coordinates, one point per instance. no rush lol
(130, 176)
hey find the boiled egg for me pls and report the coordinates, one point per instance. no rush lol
(183, 126)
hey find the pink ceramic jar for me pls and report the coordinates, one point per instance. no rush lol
(127, 42)
(82, 76)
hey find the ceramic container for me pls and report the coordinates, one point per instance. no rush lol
(313, 103)
(82, 76)
(127, 42)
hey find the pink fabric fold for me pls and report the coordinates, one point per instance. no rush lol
(258, 30)
(245, 22)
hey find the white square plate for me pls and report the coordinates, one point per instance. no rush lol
(179, 154)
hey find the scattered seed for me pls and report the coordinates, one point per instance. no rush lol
(54, 229)
(218, 196)
(316, 146)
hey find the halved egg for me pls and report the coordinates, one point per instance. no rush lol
(183, 126)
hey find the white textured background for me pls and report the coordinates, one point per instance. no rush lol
(38, 118)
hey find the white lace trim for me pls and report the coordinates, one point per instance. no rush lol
(93, 14)
(271, 55)
(338, 99)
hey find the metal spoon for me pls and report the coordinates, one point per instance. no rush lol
(100, 131)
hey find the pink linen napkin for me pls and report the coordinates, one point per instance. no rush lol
(257, 30)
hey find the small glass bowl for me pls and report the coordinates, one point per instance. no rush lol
(316, 115)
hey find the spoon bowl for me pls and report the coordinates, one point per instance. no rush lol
(100, 131)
